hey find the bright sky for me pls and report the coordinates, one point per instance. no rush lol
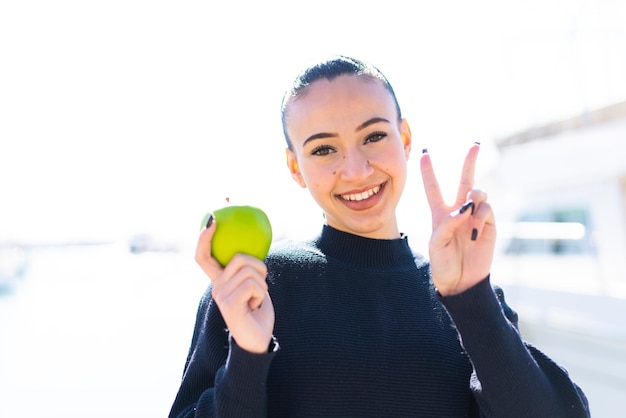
(133, 116)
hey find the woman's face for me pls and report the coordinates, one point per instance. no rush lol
(350, 151)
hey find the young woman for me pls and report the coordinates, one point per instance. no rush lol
(353, 323)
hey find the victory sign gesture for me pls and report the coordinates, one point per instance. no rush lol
(463, 236)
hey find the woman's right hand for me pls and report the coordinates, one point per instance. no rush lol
(240, 292)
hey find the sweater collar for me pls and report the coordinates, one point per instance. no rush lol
(366, 252)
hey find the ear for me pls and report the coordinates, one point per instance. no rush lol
(405, 132)
(294, 169)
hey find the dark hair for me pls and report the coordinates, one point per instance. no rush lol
(330, 69)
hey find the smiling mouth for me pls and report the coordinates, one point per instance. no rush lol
(356, 197)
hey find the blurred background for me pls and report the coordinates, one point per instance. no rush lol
(123, 122)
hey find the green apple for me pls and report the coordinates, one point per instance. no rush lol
(240, 229)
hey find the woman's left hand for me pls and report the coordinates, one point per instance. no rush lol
(464, 235)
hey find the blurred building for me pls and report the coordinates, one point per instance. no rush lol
(561, 200)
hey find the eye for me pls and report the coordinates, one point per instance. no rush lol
(322, 150)
(375, 137)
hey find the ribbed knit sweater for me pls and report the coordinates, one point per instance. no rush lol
(362, 332)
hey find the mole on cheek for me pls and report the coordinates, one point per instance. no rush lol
(334, 172)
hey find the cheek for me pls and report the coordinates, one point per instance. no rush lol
(393, 167)
(395, 161)
(319, 177)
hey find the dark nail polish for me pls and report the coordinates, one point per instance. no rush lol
(466, 206)
(474, 234)
(209, 221)
(477, 143)
(424, 150)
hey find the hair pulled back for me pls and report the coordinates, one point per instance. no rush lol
(330, 69)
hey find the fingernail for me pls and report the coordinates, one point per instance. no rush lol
(424, 150)
(466, 206)
(474, 234)
(209, 221)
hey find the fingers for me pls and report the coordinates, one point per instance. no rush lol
(431, 185)
(481, 221)
(467, 174)
(474, 210)
(482, 218)
(241, 284)
(240, 292)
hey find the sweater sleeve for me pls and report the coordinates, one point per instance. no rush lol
(220, 378)
(510, 377)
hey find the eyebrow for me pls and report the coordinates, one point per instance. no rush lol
(362, 126)
(370, 122)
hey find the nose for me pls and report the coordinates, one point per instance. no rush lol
(355, 166)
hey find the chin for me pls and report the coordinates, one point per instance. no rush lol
(375, 230)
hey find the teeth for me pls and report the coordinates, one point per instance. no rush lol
(361, 196)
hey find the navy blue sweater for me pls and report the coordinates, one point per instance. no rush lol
(361, 332)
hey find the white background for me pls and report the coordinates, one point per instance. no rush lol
(122, 117)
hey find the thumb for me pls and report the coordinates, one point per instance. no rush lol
(447, 228)
(203, 250)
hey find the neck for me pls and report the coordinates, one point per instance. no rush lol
(390, 231)
(364, 251)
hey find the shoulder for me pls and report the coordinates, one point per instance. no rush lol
(290, 250)
(290, 254)
(293, 260)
